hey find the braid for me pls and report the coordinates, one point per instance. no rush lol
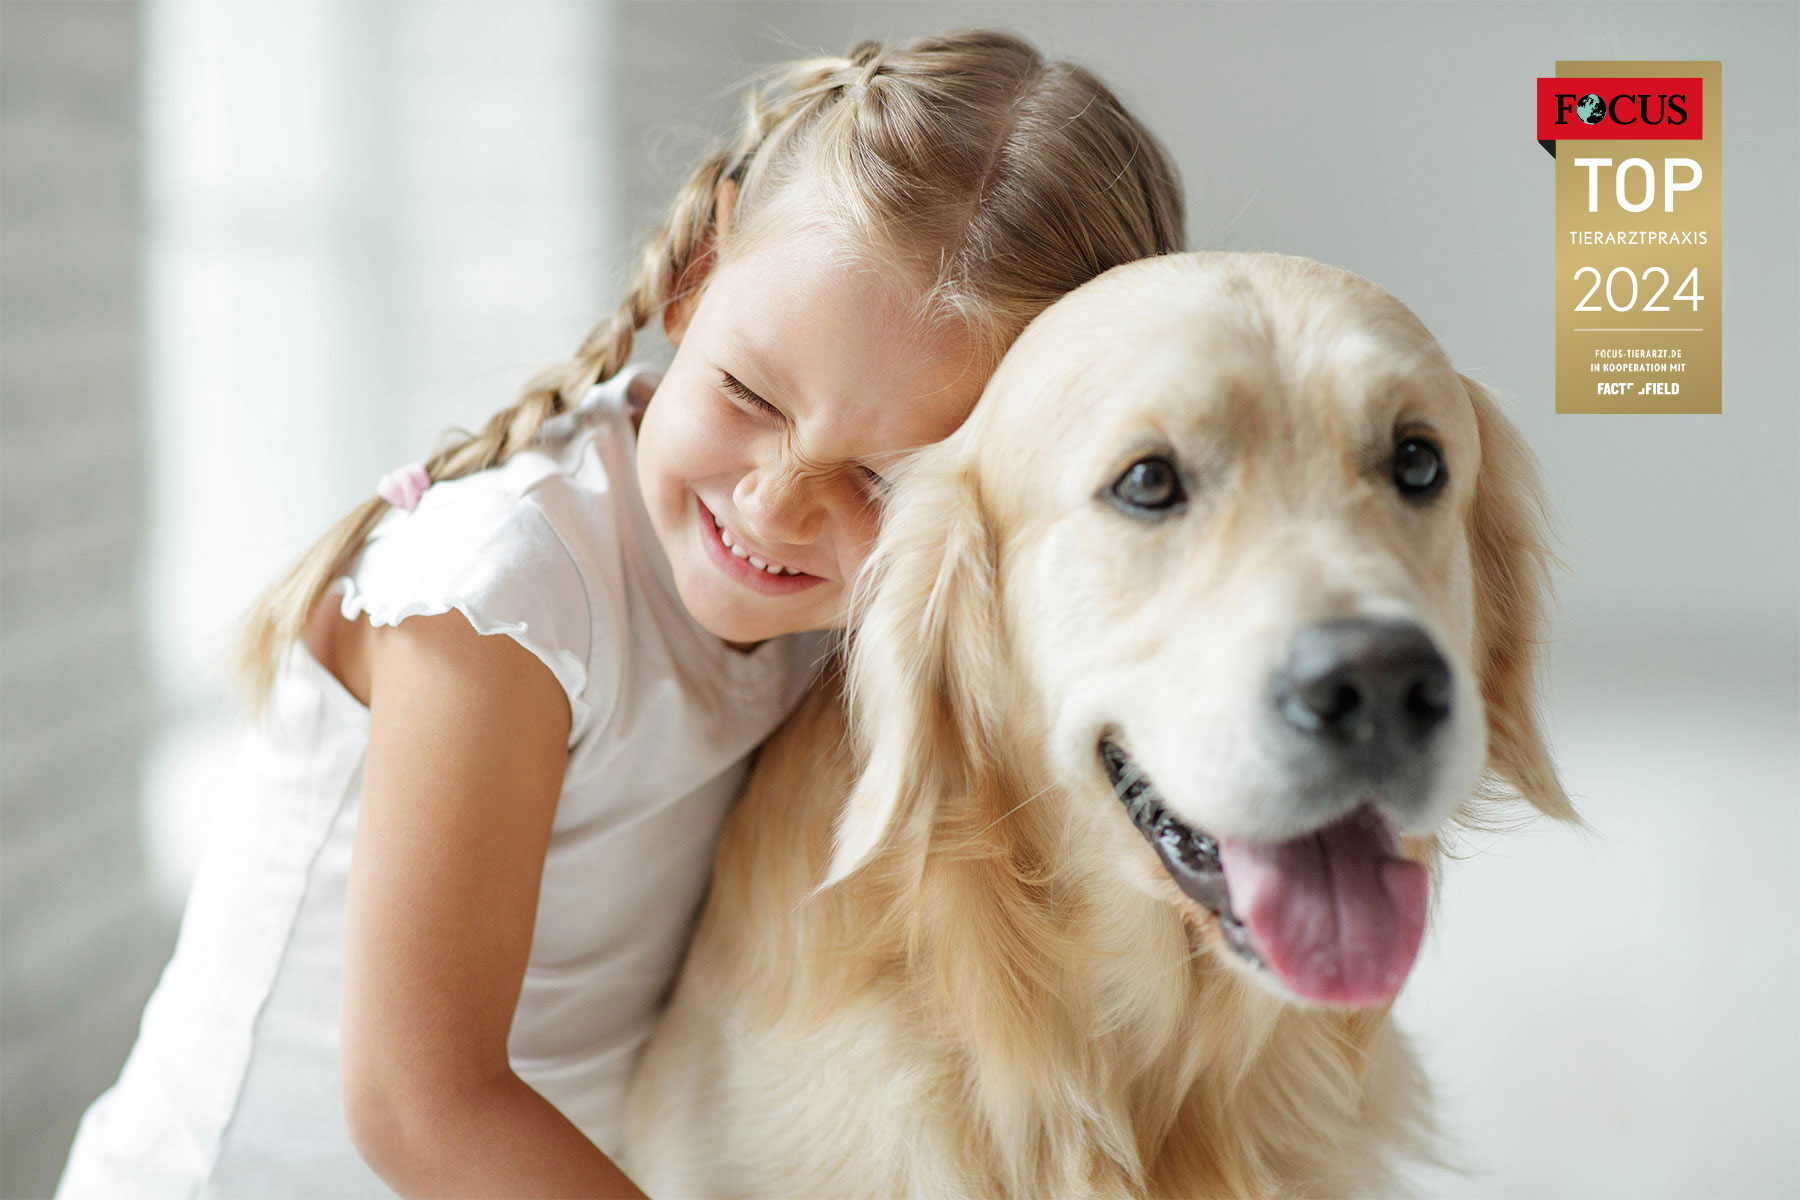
(279, 615)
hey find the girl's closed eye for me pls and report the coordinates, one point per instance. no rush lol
(877, 487)
(749, 397)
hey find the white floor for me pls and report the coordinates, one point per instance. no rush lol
(1618, 1013)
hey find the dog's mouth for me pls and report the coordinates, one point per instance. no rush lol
(1191, 857)
(1336, 914)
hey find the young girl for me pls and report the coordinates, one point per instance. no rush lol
(456, 880)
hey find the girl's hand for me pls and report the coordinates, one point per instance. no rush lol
(468, 741)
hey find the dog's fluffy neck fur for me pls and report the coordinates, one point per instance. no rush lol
(1040, 985)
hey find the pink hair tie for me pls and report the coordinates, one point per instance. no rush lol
(403, 486)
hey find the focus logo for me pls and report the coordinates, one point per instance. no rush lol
(1620, 109)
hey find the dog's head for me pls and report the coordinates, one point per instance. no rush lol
(1233, 550)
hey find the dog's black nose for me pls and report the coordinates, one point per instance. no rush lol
(1378, 687)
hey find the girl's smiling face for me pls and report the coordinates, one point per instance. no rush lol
(795, 382)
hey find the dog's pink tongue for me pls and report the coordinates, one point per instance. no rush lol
(1337, 914)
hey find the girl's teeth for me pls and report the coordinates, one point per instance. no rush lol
(759, 564)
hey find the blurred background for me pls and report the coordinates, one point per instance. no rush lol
(253, 255)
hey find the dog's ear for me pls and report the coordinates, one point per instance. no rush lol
(1508, 531)
(924, 650)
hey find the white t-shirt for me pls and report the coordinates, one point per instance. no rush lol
(232, 1088)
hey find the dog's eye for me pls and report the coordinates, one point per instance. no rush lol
(1149, 484)
(1418, 468)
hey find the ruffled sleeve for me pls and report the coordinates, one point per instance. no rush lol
(494, 557)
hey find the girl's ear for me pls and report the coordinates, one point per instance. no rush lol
(924, 653)
(1507, 542)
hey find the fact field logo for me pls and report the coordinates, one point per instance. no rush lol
(1638, 208)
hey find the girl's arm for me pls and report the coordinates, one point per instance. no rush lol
(467, 746)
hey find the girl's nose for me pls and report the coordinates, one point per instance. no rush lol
(780, 506)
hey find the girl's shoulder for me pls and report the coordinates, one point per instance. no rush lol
(535, 548)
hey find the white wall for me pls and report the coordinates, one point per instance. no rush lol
(79, 941)
(254, 255)
(367, 224)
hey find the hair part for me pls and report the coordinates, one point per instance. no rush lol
(966, 162)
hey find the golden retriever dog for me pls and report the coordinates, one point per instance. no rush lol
(1095, 869)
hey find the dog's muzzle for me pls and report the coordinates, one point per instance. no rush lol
(1336, 913)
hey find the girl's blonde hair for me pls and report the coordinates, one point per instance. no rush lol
(997, 179)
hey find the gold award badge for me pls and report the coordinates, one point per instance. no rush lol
(1637, 234)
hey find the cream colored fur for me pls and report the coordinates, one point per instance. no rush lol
(937, 959)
